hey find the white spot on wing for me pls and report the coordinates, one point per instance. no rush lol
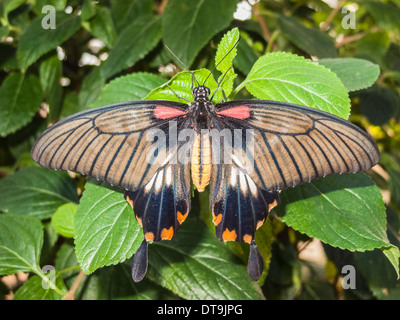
(233, 177)
(243, 184)
(150, 183)
(159, 180)
(168, 176)
(237, 161)
(252, 185)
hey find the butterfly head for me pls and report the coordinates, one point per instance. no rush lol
(201, 93)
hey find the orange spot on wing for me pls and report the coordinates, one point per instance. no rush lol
(217, 219)
(167, 234)
(181, 217)
(149, 236)
(139, 221)
(247, 238)
(129, 201)
(229, 235)
(260, 223)
(272, 205)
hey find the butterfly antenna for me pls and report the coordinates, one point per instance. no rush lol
(180, 61)
(177, 95)
(219, 83)
(230, 50)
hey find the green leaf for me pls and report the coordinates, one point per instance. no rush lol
(379, 274)
(88, 10)
(46, 189)
(284, 275)
(4, 31)
(20, 98)
(21, 239)
(392, 253)
(63, 219)
(394, 185)
(66, 264)
(131, 87)
(8, 57)
(50, 73)
(70, 105)
(10, 5)
(91, 88)
(106, 231)
(311, 40)
(246, 57)
(38, 5)
(21, 142)
(224, 60)
(392, 58)
(356, 74)
(50, 244)
(33, 290)
(102, 27)
(379, 104)
(386, 15)
(181, 84)
(189, 25)
(289, 78)
(194, 256)
(374, 44)
(345, 211)
(132, 44)
(36, 41)
(124, 12)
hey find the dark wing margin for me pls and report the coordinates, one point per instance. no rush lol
(111, 143)
(295, 144)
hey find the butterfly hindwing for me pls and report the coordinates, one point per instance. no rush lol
(238, 206)
(163, 204)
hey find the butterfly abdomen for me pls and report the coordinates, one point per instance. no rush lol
(201, 161)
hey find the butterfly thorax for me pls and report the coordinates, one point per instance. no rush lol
(201, 108)
(201, 152)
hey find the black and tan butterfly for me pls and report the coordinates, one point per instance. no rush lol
(289, 145)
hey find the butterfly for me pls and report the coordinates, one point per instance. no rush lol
(245, 151)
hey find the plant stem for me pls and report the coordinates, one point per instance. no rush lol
(325, 25)
(271, 41)
(73, 268)
(71, 293)
(50, 283)
(236, 90)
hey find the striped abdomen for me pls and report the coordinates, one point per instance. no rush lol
(201, 161)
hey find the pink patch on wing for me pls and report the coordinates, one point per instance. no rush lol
(241, 112)
(162, 112)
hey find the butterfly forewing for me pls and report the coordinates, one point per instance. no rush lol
(295, 144)
(115, 144)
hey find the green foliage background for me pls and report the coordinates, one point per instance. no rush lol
(106, 52)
